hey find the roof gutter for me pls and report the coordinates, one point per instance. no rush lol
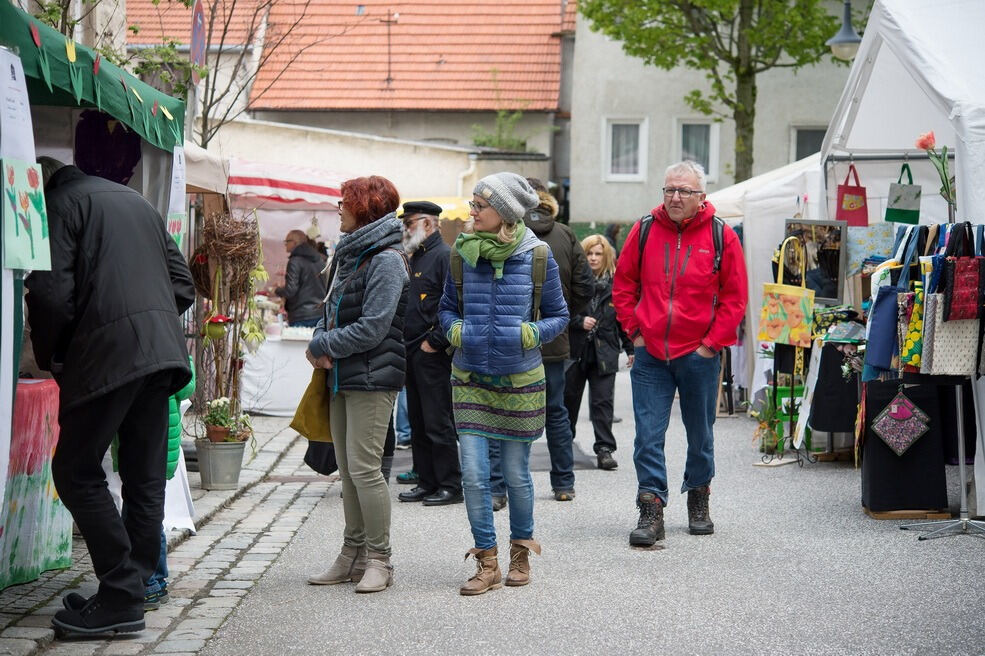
(466, 173)
(229, 50)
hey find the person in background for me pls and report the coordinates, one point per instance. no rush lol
(360, 341)
(612, 233)
(304, 288)
(577, 285)
(679, 322)
(596, 339)
(428, 362)
(498, 380)
(402, 421)
(105, 321)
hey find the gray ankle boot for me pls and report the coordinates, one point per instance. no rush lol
(348, 566)
(378, 575)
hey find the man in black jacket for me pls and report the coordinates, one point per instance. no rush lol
(304, 289)
(106, 322)
(578, 285)
(432, 426)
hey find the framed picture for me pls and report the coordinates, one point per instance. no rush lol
(824, 244)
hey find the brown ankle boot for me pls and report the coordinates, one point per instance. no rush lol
(519, 573)
(487, 575)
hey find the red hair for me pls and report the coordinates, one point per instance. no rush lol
(370, 198)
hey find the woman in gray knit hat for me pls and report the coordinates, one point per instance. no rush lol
(498, 384)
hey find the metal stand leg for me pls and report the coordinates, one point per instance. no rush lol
(964, 525)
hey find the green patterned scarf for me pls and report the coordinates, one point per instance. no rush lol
(474, 245)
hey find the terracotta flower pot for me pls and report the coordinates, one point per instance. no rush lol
(217, 433)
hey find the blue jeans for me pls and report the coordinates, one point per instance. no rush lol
(654, 384)
(559, 436)
(158, 580)
(496, 482)
(515, 458)
(403, 421)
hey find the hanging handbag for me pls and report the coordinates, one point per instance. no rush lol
(903, 204)
(953, 344)
(852, 206)
(320, 456)
(883, 325)
(911, 348)
(788, 310)
(824, 318)
(311, 417)
(962, 273)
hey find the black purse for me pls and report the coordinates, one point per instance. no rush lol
(320, 456)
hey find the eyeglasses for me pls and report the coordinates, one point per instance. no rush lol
(683, 193)
(409, 223)
(476, 207)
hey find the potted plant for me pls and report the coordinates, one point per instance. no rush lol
(218, 420)
(220, 453)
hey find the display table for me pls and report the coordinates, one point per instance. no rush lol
(35, 527)
(275, 377)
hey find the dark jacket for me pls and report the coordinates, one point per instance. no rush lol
(495, 309)
(304, 289)
(599, 347)
(365, 310)
(428, 269)
(577, 281)
(108, 311)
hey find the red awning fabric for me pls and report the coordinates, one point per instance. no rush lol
(296, 187)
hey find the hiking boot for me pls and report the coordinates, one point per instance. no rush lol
(606, 461)
(407, 478)
(651, 525)
(96, 617)
(378, 575)
(519, 573)
(498, 503)
(698, 519)
(564, 495)
(487, 575)
(348, 566)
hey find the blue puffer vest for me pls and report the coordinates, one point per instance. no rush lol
(495, 309)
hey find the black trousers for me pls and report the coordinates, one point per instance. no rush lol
(124, 552)
(432, 426)
(601, 395)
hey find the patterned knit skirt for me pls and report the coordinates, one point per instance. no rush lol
(487, 407)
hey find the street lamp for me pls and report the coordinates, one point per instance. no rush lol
(844, 44)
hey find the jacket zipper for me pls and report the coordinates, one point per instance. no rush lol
(670, 300)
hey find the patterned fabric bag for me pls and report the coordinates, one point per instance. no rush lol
(954, 344)
(927, 339)
(865, 241)
(900, 424)
(827, 317)
(962, 296)
(788, 310)
(903, 203)
(911, 346)
(852, 205)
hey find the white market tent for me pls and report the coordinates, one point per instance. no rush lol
(920, 67)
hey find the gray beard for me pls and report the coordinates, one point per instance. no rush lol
(414, 238)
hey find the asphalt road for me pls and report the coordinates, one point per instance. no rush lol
(794, 567)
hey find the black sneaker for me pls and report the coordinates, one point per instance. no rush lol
(698, 517)
(606, 461)
(154, 600)
(96, 618)
(650, 528)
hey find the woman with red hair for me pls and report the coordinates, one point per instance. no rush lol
(359, 339)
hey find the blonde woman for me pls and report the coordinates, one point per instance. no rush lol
(596, 339)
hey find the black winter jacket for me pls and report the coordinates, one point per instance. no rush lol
(599, 347)
(304, 289)
(108, 311)
(577, 281)
(429, 266)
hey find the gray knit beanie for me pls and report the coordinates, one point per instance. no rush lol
(509, 194)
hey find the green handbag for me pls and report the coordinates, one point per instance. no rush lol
(903, 204)
(311, 418)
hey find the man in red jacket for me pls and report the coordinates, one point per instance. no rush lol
(680, 312)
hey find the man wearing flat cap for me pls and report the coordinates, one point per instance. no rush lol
(433, 437)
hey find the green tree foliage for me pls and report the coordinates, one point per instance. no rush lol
(730, 41)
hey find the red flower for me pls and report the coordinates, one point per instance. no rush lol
(926, 141)
(201, 259)
(10, 175)
(25, 201)
(95, 65)
(32, 178)
(35, 35)
(220, 318)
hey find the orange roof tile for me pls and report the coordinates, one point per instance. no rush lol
(569, 16)
(444, 55)
(171, 19)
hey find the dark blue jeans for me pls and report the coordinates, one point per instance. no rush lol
(559, 437)
(654, 385)
(158, 581)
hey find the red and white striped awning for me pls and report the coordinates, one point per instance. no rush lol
(294, 186)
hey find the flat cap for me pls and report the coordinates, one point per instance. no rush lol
(422, 207)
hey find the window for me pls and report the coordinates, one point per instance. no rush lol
(624, 154)
(807, 141)
(699, 142)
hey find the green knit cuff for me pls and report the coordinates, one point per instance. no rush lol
(454, 334)
(530, 335)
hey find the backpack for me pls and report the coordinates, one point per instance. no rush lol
(717, 237)
(538, 273)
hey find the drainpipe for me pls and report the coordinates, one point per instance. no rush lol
(466, 173)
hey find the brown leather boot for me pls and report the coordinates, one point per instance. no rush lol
(487, 575)
(519, 573)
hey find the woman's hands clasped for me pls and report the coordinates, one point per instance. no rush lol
(324, 362)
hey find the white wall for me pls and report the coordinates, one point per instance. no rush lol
(612, 84)
(452, 128)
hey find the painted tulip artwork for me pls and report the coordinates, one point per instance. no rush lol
(25, 217)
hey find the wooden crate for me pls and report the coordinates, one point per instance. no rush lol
(908, 514)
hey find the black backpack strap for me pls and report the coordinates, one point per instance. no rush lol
(646, 221)
(718, 238)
